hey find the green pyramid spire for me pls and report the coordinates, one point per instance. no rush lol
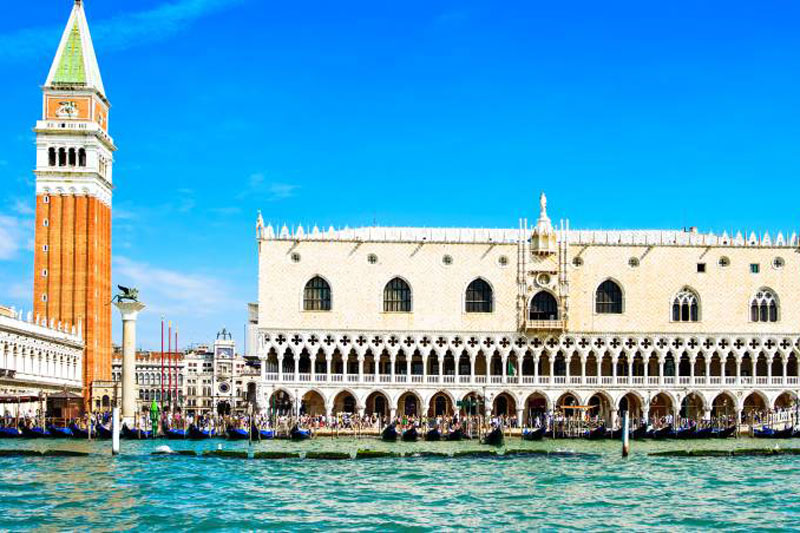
(71, 69)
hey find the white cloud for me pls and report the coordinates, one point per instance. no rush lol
(117, 33)
(22, 207)
(280, 191)
(173, 292)
(12, 237)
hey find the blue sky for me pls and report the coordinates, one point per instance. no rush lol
(628, 114)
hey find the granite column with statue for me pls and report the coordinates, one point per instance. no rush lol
(130, 312)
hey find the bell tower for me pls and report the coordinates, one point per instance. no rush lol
(74, 159)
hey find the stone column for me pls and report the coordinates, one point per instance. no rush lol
(738, 371)
(583, 370)
(536, 370)
(472, 369)
(361, 370)
(130, 312)
(392, 361)
(660, 371)
(504, 370)
(520, 414)
(692, 362)
(280, 367)
(614, 362)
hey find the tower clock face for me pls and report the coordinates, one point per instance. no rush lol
(224, 352)
(224, 388)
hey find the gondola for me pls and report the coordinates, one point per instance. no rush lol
(433, 435)
(686, 433)
(455, 435)
(703, 433)
(615, 434)
(103, 432)
(598, 433)
(389, 434)
(135, 434)
(640, 433)
(494, 438)
(724, 433)
(10, 433)
(176, 434)
(79, 433)
(197, 433)
(769, 433)
(664, 433)
(299, 434)
(410, 435)
(238, 434)
(35, 433)
(266, 434)
(533, 434)
(59, 433)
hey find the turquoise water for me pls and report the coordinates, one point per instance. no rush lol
(598, 491)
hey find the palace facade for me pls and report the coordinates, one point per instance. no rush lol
(526, 320)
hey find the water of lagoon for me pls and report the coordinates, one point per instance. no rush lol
(595, 489)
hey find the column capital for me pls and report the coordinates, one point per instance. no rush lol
(129, 310)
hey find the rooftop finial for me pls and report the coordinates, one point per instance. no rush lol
(543, 204)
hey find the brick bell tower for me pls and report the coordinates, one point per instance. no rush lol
(74, 157)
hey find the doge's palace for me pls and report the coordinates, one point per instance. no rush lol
(526, 320)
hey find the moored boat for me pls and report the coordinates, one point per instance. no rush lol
(495, 437)
(640, 433)
(35, 432)
(135, 434)
(685, 433)
(664, 433)
(410, 435)
(58, 432)
(176, 434)
(298, 433)
(389, 434)
(724, 433)
(703, 433)
(10, 433)
(197, 433)
(533, 434)
(103, 432)
(78, 432)
(455, 435)
(598, 433)
(769, 433)
(266, 434)
(237, 434)
(433, 435)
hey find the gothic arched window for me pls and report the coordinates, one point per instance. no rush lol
(317, 295)
(73, 157)
(82, 157)
(685, 307)
(544, 307)
(51, 157)
(764, 307)
(397, 297)
(62, 157)
(608, 298)
(479, 298)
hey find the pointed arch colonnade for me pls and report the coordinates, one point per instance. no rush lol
(687, 375)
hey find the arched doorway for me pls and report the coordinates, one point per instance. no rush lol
(280, 403)
(471, 404)
(440, 405)
(754, 403)
(504, 405)
(377, 404)
(723, 408)
(661, 405)
(692, 407)
(633, 405)
(408, 404)
(600, 408)
(344, 402)
(786, 400)
(535, 409)
(312, 404)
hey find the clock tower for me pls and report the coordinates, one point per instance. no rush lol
(74, 158)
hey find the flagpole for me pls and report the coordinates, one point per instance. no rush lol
(177, 355)
(162, 364)
(169, 368)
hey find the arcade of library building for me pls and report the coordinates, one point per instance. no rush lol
(413, 321)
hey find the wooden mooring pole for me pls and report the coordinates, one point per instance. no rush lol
(626, 443)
